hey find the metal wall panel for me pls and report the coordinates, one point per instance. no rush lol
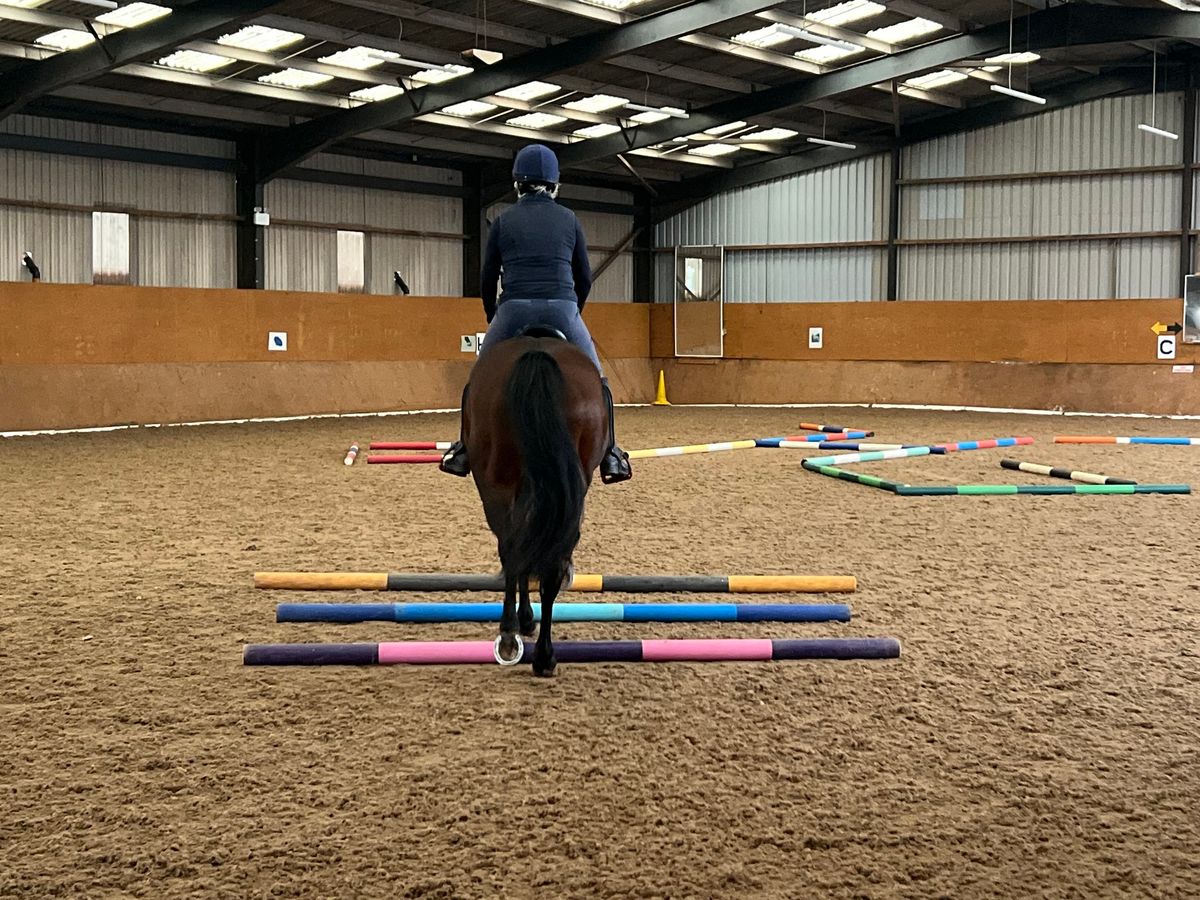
(304, 258)
(1050, 270)
(89, 133)
(1100, 134)
(60, 239)
(841, 203)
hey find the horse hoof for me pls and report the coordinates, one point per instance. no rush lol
(529, 630)
(544, 670)
(508, 649)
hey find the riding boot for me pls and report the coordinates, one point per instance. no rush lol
(615, 465)
(455, 461)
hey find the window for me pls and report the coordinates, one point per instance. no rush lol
(693, 278)
(351, 262)
(110, 248)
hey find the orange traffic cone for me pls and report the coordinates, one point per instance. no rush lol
(660, 397)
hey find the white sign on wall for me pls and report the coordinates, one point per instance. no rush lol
(1166, 346)
(277, 340)
(816, 338)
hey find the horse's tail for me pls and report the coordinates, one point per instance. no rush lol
(548, 511)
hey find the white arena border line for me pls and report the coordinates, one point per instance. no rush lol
(1058, 411)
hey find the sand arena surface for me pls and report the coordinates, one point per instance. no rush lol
(1039, 737)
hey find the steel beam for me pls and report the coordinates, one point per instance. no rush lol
(1188, 178)
(34, 80)
(250, 238)
(301, 141)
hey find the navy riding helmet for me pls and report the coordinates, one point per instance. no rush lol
(536, 162)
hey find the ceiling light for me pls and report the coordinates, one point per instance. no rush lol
(844, 13)
(1150, 129)
(597, 103)
(1011, 58)
(651, 114)
(531, 90)
(439, 74)
(295, 78)
(769, 36)
(537, 120)
(936, 79)
(377, 92)
(65, 39)
(487, 57)
(469, 109)
(194, 61)
(822, 55)
(813, 38)
(902, 32)
(825, 142)
(769, 134)
(24, 4)
(1020, 95)
(261, 38)
(596, 131)
(990, 68)
(714, 150)
(103, 4)
(1185, 5)
(615, 4)
(725, 129)
(359, 58)
(133, 15)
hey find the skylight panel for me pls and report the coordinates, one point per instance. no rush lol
(649, 117)
(596, 131)
(822, 55)
(769, 134)
(261, 38)
(597, 103)
(468, 109)
(377, 92)
(64, 39)
(134, 14)
(714, 150)
(537, 120)
(937, 79)
(1020, 58)
(442, 73)
(770, 36)
(844, 13)
(295, 78)
(194, 61)
(361, 58)
(531, 90)
(903, 32)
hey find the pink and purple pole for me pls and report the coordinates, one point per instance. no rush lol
(482, 652)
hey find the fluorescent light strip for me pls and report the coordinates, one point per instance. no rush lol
(1150, 129)
(388, 56)
(813, 38)
(669, 112)
(828, 143)
(1019, 95)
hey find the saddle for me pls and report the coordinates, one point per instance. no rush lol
(541, 331)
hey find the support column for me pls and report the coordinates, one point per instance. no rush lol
(1187, 199)
(893, 226)
(643, 251)
(472, 254)
(251, 238)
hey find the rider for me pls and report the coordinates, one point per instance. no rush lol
(541, 249)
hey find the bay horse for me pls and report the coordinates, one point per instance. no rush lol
(535, 426)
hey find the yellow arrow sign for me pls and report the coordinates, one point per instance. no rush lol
(1158, 328)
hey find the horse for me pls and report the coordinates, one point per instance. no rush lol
(535, 426)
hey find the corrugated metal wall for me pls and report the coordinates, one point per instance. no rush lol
(303, 256)
(840, 204)
(604, 231)
(1138, 208)
(189, 243)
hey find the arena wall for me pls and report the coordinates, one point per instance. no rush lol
(83, 355)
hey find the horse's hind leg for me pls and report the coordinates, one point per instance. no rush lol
(508, 645)
(525, 610)
(543, 654)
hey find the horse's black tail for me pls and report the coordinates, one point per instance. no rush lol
(548, 511)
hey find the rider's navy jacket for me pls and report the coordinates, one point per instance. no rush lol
(541, 248)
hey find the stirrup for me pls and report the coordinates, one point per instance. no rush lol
(614, 467)
(456, 462)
